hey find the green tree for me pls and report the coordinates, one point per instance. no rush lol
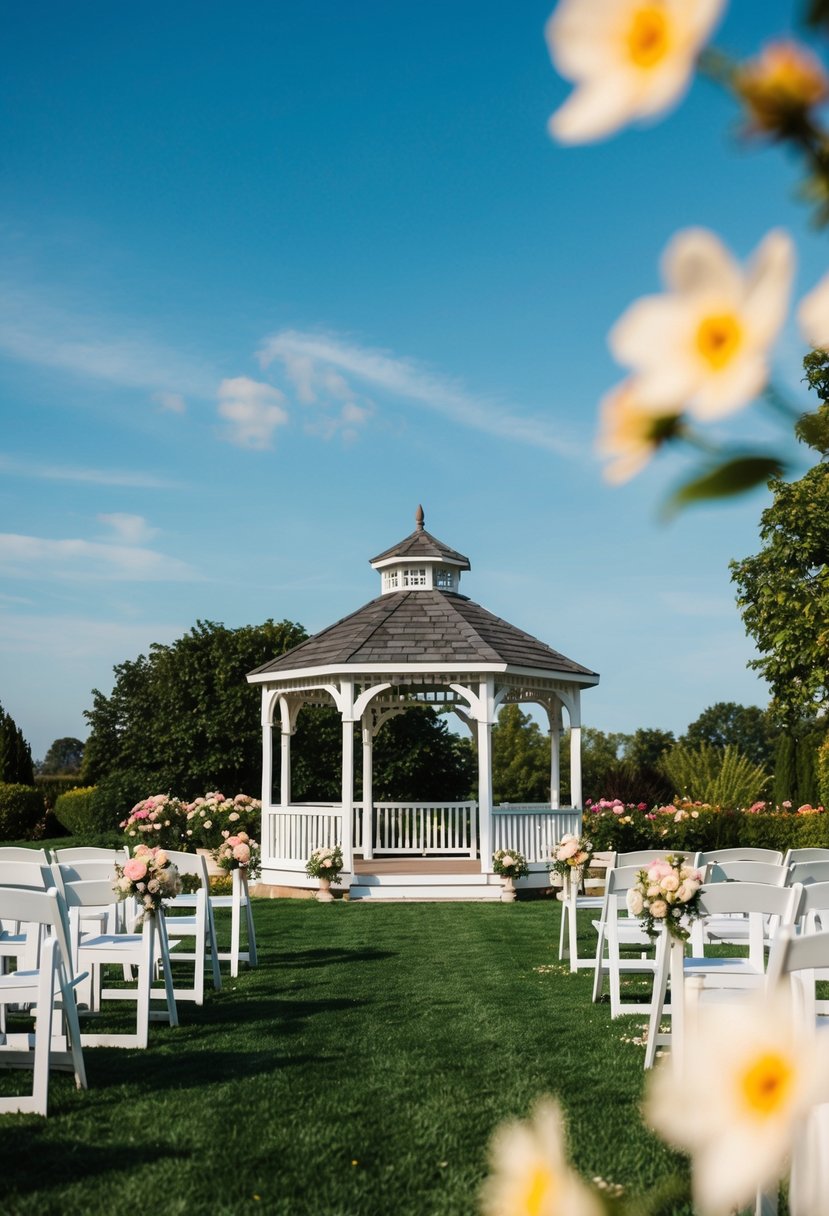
(15, 754)
(750, 729)
(601, 754)
(183, 718)
(416, 756)
(63, 756)
(784, 589)
(520, 758)
(647, 745)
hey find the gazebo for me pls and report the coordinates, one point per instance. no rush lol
(420, 642)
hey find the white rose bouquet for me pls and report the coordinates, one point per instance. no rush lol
(325, 862)
(509, 863)
(666, 893)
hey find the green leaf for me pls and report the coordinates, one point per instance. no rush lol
(734, 476)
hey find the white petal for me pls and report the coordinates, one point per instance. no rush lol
(594, 110)
(663, 88)
(769, 285)
(813, 315)
(728, 391)
(579, 34)
(700, 16)
(648, 329)
(696, 260)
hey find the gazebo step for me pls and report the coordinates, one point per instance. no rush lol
(401, 890)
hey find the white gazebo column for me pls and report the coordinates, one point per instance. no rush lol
(554, 723)
(285, 754)
(575, 751)
(347, 710)
(368, 781)
(486, 717)
(267, 751)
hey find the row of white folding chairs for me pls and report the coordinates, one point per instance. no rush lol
(83, 858)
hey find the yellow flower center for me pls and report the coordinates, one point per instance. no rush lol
(539, 1193)
(718, 339)
(766, 1083)
(648, 36)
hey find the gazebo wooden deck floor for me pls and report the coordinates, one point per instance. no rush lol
(417, 865)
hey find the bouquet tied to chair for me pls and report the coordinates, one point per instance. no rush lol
(239, 852)
(570, 859)
(149, 877)
(666, 893)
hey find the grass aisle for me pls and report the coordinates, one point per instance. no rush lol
(359, 1071)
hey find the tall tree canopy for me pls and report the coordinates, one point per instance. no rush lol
(15, 754)
(64, 756)
(183, 718)
(520, 758)
(746, 727)
(784, 589)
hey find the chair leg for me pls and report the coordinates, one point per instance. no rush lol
(660, 989)
(253, 958)
(172, 1011)
(214, 947)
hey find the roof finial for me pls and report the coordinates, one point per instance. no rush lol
(419, 518)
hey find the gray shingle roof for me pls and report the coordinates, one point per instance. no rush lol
(422, 544)
(422, 627)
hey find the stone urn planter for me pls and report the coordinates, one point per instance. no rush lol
(324, 895)
(507, 889)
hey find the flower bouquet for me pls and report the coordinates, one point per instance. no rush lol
(509, 863)
(666, 893)
(160, 820)
(149, 877)
(325, 863)
(239, 852)
(212, 818)
(571, 856)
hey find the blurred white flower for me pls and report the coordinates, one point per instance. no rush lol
(629, 435)
(627, 58)
(813, 315)
(704, 345)
(746, 1084)
(530, 1174)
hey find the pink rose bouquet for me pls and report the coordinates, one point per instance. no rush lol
(666, 893)
(325, 862)
(149, 877)
(571, 855)
(239, 852)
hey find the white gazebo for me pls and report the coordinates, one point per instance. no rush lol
(420, 642)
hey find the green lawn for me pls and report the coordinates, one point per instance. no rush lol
(359, 1071)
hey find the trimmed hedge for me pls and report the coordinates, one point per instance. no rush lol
(52, 785)
(82, 813)
(21, 811)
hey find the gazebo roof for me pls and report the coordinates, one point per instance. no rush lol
(417, 627)
(421, 544)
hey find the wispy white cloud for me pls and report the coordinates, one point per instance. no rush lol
(98, 477)
(174, 403)
(317, 366)
(43, 330)
(131, 529)
(253, 410)
(42, 558)
(73, 638)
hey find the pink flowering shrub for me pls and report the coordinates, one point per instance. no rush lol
(157, 821)
(211, 819)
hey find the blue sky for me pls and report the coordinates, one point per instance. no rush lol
(272, 274)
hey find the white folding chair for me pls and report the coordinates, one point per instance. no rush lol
(17, 852)
(92, 952)
(88, 852)
(641, 858)
(198, 926)
(723, 975)
(571, 904)
(793, 855)
(15, 942)
(241, 908)
(48, 989)
(807, 872)
(617, 930)
(739, 853)
(798, 961)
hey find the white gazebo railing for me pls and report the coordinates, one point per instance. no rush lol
(415, 829)
(532, 829)
(434, 828)
(292, 833)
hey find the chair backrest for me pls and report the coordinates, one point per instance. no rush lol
(806, 872)
(78, 871)
(793, 855)
(25, 874)
(190, 863)
(621, 878)
(725, 898)
(806, 952)
(17, 852)
(772, 856)
(91, 853)
(643, 857)
(89, 893)
(747, 871)
(33, 907)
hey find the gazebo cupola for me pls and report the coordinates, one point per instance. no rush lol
(421, 562)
